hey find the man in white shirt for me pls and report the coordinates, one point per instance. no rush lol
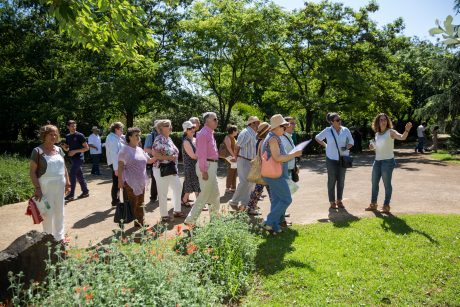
(246, 151)
(113, 144)
(95, 150)
(420, 138)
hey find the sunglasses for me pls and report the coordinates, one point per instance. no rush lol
(215, 119)
(337, 120)
(193, 128)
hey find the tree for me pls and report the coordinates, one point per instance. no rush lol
(224, 44)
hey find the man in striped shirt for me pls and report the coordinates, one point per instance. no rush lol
(246, 151)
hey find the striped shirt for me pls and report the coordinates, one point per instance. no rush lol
(247, 141)
(206, 147)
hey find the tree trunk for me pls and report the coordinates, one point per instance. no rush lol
(129, 119)
(308, 120)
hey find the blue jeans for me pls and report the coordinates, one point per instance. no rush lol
(335, 177)
(95, 159)
(420, 144)
(382, 169)
(280, 199)
(76, 173)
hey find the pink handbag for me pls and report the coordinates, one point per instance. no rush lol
(270, 168)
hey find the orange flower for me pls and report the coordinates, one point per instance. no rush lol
(153, 252)
(88, 296)
(85, 288)
(178, 230)
(191, 248)
(77, 290)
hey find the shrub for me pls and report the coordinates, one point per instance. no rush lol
(224, 251)
(15, 184)
(216, 267)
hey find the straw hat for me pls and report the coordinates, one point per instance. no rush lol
(277, 120)
(252, 119)
(263, 129)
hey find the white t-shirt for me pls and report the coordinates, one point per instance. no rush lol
(384, 146)
(95, 140)
(420, 130)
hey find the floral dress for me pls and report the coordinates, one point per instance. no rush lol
(164, 146)
(191, 183)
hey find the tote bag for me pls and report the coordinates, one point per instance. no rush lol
(270, 168)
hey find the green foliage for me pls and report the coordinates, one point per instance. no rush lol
(407, 260)
(214, 269)
(450, 32)
(225, 254)
(15, 185)
(454, 140)
(443, 155)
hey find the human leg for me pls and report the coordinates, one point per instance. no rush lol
(387, 174)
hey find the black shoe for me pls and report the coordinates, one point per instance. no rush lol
(83, 195)
(115, 203)
(153, 199)
(69, 198)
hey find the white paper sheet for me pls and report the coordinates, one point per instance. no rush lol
(300, 146)
(232, 164)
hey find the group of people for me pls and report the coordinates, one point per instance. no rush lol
(130, 166)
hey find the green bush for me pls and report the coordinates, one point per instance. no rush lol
(214, 269)
(15, 184)
(224, 252)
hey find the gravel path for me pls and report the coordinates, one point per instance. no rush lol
(420, 185)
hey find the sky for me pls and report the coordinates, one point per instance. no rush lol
(419, 15)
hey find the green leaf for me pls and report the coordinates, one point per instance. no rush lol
(451, 41)
(448, 25)
(434, 31)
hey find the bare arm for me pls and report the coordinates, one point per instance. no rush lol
(121, 166)
(159, 156)
(397, 136)
(277, 156)
(189, 150)
(322, 143)
(82, 150)
(33, 177)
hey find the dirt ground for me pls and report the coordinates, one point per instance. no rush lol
(420, 185)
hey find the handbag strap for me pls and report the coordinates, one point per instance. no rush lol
(335, 142)
(267, 145)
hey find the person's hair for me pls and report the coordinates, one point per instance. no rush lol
(116, 125)
(331, 116)
(71, 122)
(436, 127)
(424, 124)
(376, 122)
(289, 118)
(231, 129)
(207, 114)
(163, 123)
(45, 130)
(130, 133)
(194, 119)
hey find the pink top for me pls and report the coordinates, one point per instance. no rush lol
(206, 147)
(134, 174)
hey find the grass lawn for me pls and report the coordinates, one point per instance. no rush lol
(444, 155)
(15, 184)
(405, 260)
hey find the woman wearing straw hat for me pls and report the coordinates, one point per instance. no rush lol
(262, 132)
(280, 195)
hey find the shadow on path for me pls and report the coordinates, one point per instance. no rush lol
(340, 218)
(94, 218)
(398, 226)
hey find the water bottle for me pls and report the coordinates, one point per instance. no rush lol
(47, 204)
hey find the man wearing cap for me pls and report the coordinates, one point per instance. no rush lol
(148, 149)
(95, 150)
(246, 151)
(206, 169)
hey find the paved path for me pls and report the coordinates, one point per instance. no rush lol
(420, 185)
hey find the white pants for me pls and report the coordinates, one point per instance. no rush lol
(163, 184)
(244, 188)
(53, 219)
(209, 193)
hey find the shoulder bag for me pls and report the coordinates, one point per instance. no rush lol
(255, 174)
(123, 213)
(344, 161)
(167, 169)
(223, 151)
(271, 168)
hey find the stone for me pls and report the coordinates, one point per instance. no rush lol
(27, 254)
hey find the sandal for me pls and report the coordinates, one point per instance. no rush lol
(333, 205)
(178, 214)
(340, 204)
(253, 212)
(165, 219)
(385, 209)
(372, 207)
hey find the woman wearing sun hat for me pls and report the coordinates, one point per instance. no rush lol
(280, 195)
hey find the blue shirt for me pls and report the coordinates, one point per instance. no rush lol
(75, 141)
(343, 138)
